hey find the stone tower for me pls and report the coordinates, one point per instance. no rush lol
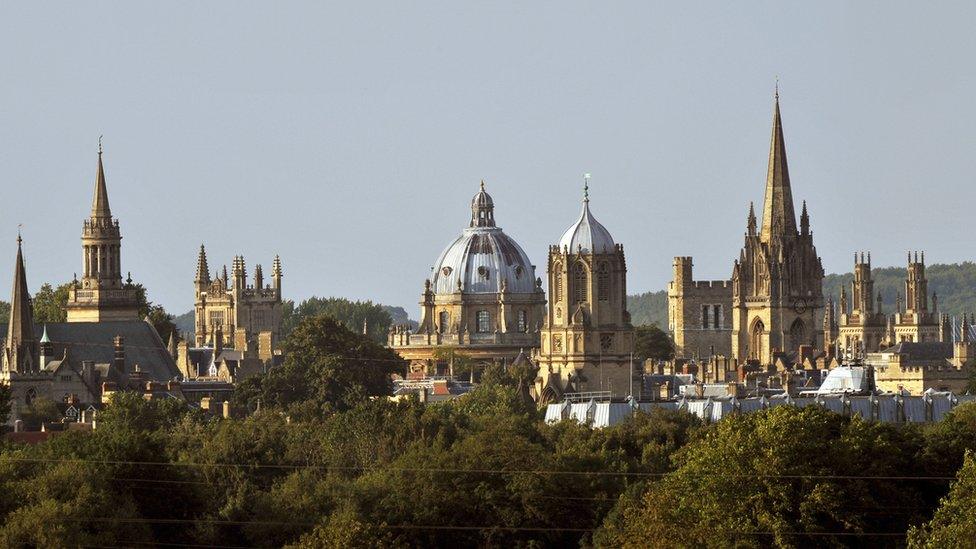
(777, 295)
(916, 323)
(100, 294)
(226, 306)
(863, 328)
(587, 340)
(20, 348)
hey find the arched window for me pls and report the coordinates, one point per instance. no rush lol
(580, 282)
(756, 340)
(557, 283)
(443, 319)
(483, 322)
(797, 330)
(522, 321)
(603, 282)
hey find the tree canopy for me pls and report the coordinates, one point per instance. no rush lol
(352, 314)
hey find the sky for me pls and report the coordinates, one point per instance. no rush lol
(350, 137)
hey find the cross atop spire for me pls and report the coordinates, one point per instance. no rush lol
(779, 217)
(586, 187)
(100, 208)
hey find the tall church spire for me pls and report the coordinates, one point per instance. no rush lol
(20, 331)
(100, 208)
(779, 218)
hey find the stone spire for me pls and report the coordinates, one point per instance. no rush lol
(779, 218)
(203, 270)
(276, 273)
(751, 223)
(100, 208)
(20, 330)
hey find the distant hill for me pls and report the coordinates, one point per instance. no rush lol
(186, 323)
(954, 283)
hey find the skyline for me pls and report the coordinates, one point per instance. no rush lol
(358, 167)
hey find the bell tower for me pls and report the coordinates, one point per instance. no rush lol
(101, 294)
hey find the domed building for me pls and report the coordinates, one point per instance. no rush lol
(587, 338)
(483, 300)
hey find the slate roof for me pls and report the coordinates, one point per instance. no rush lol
(94, 341)
(927, 350)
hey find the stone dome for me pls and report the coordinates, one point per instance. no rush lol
(483, 258)
(587, 235)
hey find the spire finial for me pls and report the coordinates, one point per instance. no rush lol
(482, 184)
(776, 93)
(586, 187)
(19, 239)
(99, 144)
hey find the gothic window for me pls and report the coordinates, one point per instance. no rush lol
(603, 282)
(756, 340)
(442, 321)
(580, 282)
(719, 317)
(216, 318)
(557, 283)
(483, 322)
(704, 317)
(606, 341)
(796, 334)
(522, 321)
(30, 395)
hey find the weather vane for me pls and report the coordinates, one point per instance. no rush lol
(586, 186)
(99, 144)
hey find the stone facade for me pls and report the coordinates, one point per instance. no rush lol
(699, 313)
(587, 340)
(101, 294)
(862, 326)
(773, 303)
(228, 305)
(484, 301)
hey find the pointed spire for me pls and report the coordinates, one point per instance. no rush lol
(804, 220)
(751, 223)
(779, 218)
(100, 208)
(20, 330)
(203, 270)
(172, 346)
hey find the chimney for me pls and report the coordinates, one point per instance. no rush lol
(119, 361)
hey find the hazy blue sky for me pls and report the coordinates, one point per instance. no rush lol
(350, 137)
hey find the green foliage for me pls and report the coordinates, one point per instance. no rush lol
(954, 523)
(4, 312)
(4, 403)
(352, 314)
(649, 308)
(40, 410)
(327, 367)
(651, 342)
(186, 322)
(774, 477)
(49, 303)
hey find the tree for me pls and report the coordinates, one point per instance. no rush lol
(40, 410)
(651, 342)
(327, 367)
(769, 478)
(4, 403)
(954, 523)
(4, 312)
(352, 314)
(49, 303)
(161, 320)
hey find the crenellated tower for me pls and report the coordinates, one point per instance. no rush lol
(917, 322)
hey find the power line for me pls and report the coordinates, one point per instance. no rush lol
(474, 471)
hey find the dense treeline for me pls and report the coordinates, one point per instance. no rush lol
(953, 283)
(325, 460)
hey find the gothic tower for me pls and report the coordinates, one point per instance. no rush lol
(587, 338)
(917, 323)
(20, 349)
(101, 294)
(863, 328)
(777, 295)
